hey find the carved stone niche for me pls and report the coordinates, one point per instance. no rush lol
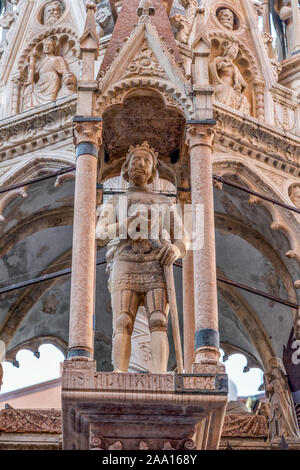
(231, 75)
(47, 70)
(51, 12)
(227, 18)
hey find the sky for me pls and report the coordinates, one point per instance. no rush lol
(34, 371)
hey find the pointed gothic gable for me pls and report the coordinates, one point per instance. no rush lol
(144, 56)
(144, 63)
(125, 25)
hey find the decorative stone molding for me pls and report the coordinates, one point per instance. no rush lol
(49, 421)
(171, 96)
(61, 179)
(36, 129)
(88, 131)
(243, 425)
(8, 197)
(30, 421)
(200, 134)
(262, 142)
(34, 345)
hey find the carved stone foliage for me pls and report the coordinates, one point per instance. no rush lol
(98, 442)
(145, 63)
(32, 132)
(45, 73)
(30, 421)
(88, 132)
(245, 425)
(256, 141)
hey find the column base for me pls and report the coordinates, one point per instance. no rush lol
(207, 361)
(123, 411)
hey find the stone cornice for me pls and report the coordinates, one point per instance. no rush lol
(235, 133)
(37, 128)
(255, 139)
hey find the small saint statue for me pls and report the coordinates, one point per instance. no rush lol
(144, 233)
(228, 82)
(47, 76)
(282, 418)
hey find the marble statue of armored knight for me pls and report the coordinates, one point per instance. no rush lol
(227, 80)
(148, 236)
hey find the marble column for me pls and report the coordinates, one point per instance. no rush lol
(200, 138)
(87, 138)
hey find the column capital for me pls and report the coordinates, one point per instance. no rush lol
(87, 130)
(200, 133)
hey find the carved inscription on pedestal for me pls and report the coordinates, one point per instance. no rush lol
(153, 383)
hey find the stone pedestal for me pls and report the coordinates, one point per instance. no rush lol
(111, 411)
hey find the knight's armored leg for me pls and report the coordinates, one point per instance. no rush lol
(156, 305)
(125, 305)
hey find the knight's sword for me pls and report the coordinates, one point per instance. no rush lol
(169, 275)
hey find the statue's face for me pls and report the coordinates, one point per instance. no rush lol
(49, 47)
(226, 18)
(69, 78)
(259, 8)
(52, 13)
(140, 168)
(295, 196)
(231, 50)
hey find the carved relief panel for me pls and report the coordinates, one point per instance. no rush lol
(233, 69)
(48, 67)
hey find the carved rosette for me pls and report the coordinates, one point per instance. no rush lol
(200, 134)
(88, 131)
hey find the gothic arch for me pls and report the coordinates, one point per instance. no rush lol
(118, 92)
(247, 316)
(283, 219)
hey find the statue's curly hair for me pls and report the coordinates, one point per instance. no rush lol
(146, 148)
